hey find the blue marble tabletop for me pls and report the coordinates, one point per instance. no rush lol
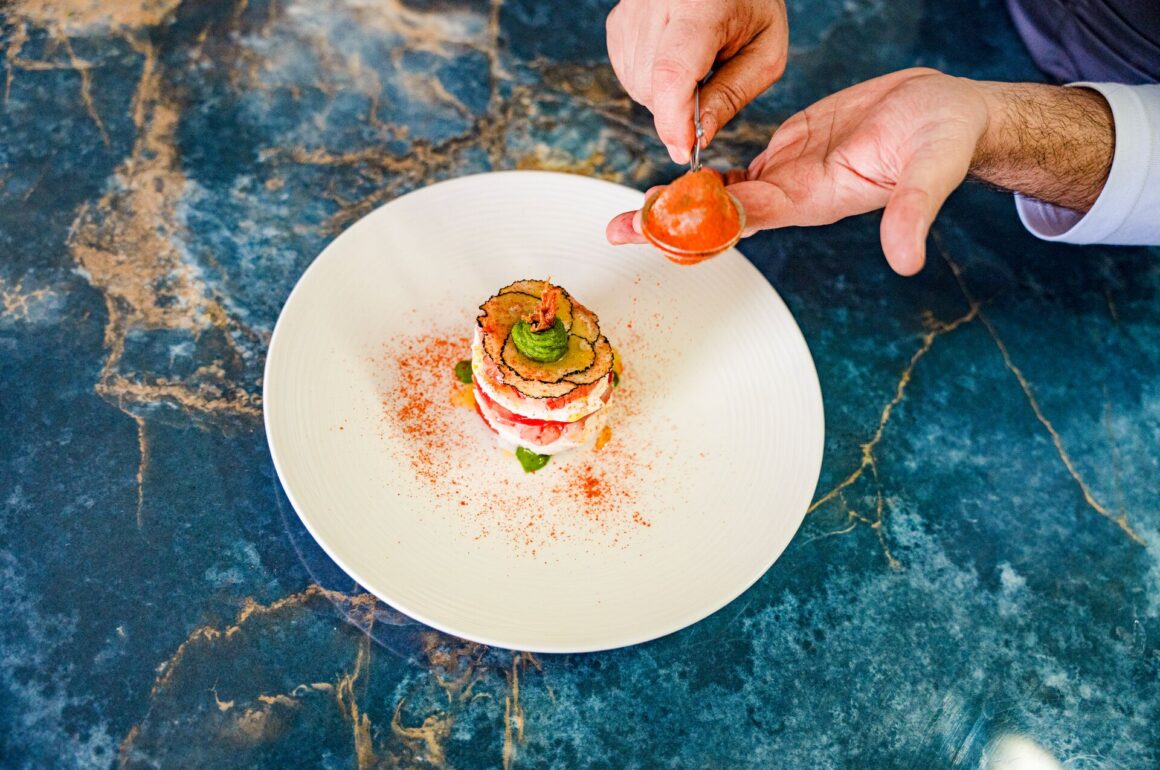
(978, 577)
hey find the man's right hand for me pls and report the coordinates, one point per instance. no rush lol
(661, 49)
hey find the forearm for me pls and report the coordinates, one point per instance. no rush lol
(1048, 142)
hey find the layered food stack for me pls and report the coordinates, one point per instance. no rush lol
(542, 372)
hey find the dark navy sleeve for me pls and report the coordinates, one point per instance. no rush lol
(1102, 40)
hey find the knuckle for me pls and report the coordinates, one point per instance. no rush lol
(669, 73)
(731, 96)
(922, 71)
(774, 69)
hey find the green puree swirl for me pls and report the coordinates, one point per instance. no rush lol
(546, 346)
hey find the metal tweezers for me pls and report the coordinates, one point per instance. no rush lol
(698, 129)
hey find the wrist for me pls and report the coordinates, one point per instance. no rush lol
(993, 144)
(1049, 142)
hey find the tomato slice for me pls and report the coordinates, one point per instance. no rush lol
(480, 413)
(509, 416)
(545, 434)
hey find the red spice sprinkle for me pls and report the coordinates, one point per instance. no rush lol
(591, 486)
(593, 499)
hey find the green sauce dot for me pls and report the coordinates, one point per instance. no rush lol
(531, 461)
(463, 372)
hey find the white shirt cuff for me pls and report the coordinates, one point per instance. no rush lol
(1127, 212)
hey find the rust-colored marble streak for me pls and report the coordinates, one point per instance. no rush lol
(544, 158)
(426, 739)
(65, 19)
(934, 330)
(362, 605)
(126, 245)
(78, 17)
(1120, 519)
(58, 20)
(125, 241)
(455, 666)
(359, 721)
(513, 709)
(18, 303)
(443, 33)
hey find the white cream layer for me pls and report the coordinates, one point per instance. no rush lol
(509, 436)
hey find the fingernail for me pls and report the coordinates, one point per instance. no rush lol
(636, 223)
(679, 155)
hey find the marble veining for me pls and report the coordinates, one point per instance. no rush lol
(979, 570)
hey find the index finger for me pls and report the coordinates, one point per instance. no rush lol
(685, 54)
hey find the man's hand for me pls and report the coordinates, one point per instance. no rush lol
(660, 50)
(904, 141)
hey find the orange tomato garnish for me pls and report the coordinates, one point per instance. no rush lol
(463, 397)
(603, 437)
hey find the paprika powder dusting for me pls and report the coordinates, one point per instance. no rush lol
(453, 458)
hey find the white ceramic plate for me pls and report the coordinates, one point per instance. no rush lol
(717, 433)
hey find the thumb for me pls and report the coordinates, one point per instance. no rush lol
(931, 175)
(685, 53)
(735, 84)
(765, 206)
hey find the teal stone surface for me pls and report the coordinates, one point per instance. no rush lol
(980, 569)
